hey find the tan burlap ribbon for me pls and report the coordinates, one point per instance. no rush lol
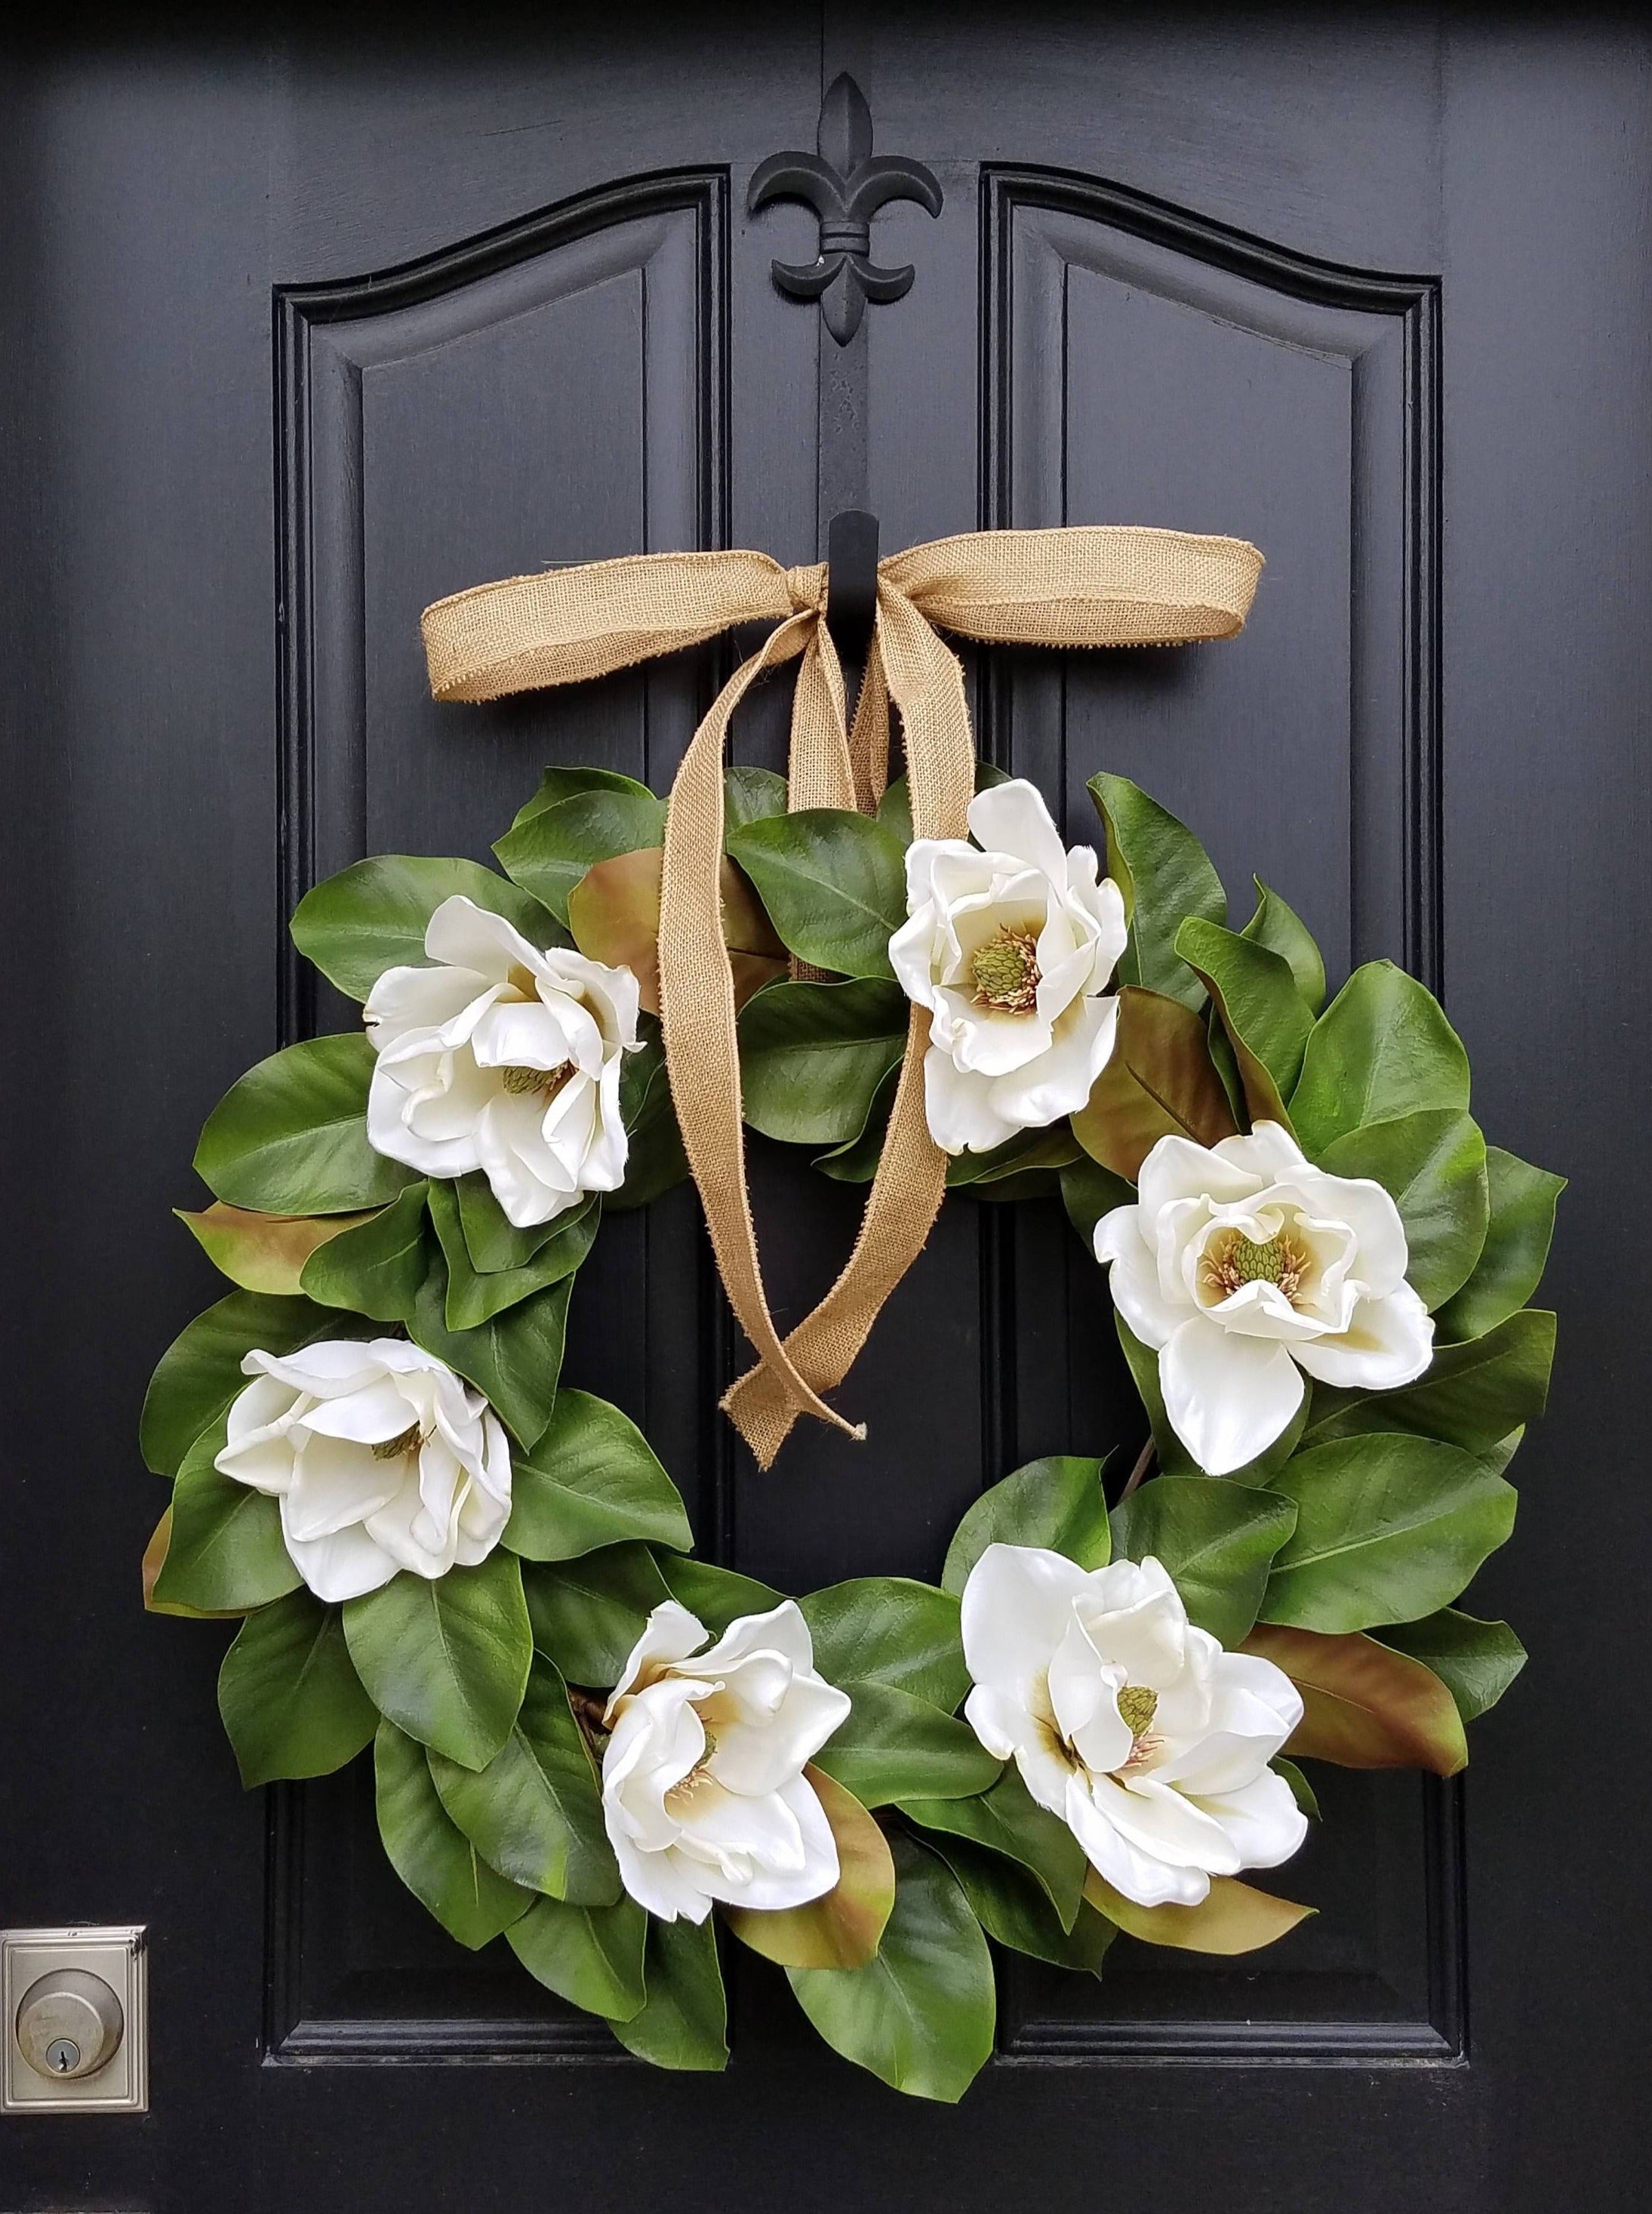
(1088, 587)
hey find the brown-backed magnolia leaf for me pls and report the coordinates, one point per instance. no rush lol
(155, 1559)
(1365, 1706)
(1236, 1917)
(843, 1929)
(613, 912)
(1160, 1082)
(264, 1253)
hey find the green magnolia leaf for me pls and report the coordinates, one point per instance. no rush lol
(1283, 931)
(1472, 1395)
(377, 1269)
(1388, 1528)
(447, 1660)
(889, 1630)
(1087, 1192)
(1265, 1016)
(1364, 1705)
(921, 2014)
(1216, 1539)
(1159, 1082)
(226, 1554)
(200, 1372)
(750, 794)
(1006, 1819)
(842, 1929)
(684, 2020)
(1301, 1790)
(813, 1056)
(435, 1861)
(895, 1746)
(533, 1812)
(1516, 1249)
(1382, 1049)
(654, 1160)
(1173, 1457)
(1000, 1170)
(1433, 1165)
(155, 1559)
(1057, 1502)
(549, 847)
(1236, 1917)
(716, 1595)
(372, 916)
(474, 1298)
(514, 1359)
(589, 1613)
(856, 1161)
(557, 785)
(1165, 875)
(1016, 1911)
(592, 1956)
(263, 1252)
(592, 1480)
(1476, 1661)
(493, 1243)
(291, 1700)
(290, 1137)
(835, 883)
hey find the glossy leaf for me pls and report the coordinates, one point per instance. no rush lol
(493, 1242)
(291, 1700)
(1364, 1705)
(1516, 1249)
(592, 1956)
(262, 1253)
(1476, 1661)
(1173, 1457)
(1087, 1192)
(1007, 1820)
(155, 1559)
(1057, 1502)
(550, 848)
(842, 1929)
(435, 1861)
(592, 1480)
(557, 785)
(889, 1630)
(533, 1812)
(856, 1161)
(1016, 1911)
(1265, 1016)
(1001, 1169)
(589, 1613)
(446, 1659)
(654, 1160)
(614, 914)
(514, 1359)
(921, 2014)
(1236, 1917)
(1160, 1082)
(749, 794)
(1389, 1528)
(1216, 1537)
(378, 1269)
(834, 884)
(718, 1596)
(1165, 875)
(475, 1297)
(1282, 931)
(1433, 1165)
(812, 1056)
(372, 916)
(684, 2020)
(226, 1552)
(1301, 1790)
(1382, 1049)
(290, 1137)
(1472, 1395)
(895, 1746)
(200, 1372)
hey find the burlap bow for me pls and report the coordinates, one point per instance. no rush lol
(1086, 587)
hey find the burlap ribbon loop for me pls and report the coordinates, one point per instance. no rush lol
(1077, 587)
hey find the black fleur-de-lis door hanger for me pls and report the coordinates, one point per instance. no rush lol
(845, 184)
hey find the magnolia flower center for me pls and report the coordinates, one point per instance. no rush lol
(547, 1082)
(1234, 1261)
(1005, 971)
(1137, 1706)
(681, 1794)
(409, 1441)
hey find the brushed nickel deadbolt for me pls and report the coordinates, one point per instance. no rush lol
(68, 2024)
(73, 2014)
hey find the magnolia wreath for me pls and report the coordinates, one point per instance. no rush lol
(591, 1742)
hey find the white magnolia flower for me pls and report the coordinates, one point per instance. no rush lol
(1010, 945)
(1149, 1741)
(504, 1059)
(1240, 1266)
(381, 1457)
(704, 1792)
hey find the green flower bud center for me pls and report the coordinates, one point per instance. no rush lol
(1236, 1261)
(392, 1448)
(1137, 1707)
(1005, 971)
(521, 1082)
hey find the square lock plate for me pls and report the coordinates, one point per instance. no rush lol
(116, 1958)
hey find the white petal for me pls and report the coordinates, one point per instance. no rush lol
(659, 1882)
(1380, 1254)
(1017, 1602)
(1059, 1081)
(1011, 818)
(409, 999)
(1140, 1876)
(466, 936)
(1228, 1396)
(1178, 1169)
(390, 1109)
(1142, 1631)
(911, 956)
(1269, 1153)
(670, 1634)
(529, 1034)
(1084, 1687)
(335, 1483)
(326, 1369)
(1156, 1819)
(1135, 1284)
(1262, 1819)
(958, 1106)
(372, 1414)
(345, 1565)
(1389, 1342)
(610, 993)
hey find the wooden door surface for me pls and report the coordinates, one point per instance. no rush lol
(306, 324)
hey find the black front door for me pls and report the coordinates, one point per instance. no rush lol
(304, 328)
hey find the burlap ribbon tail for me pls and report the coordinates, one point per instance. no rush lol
(1078, 587)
